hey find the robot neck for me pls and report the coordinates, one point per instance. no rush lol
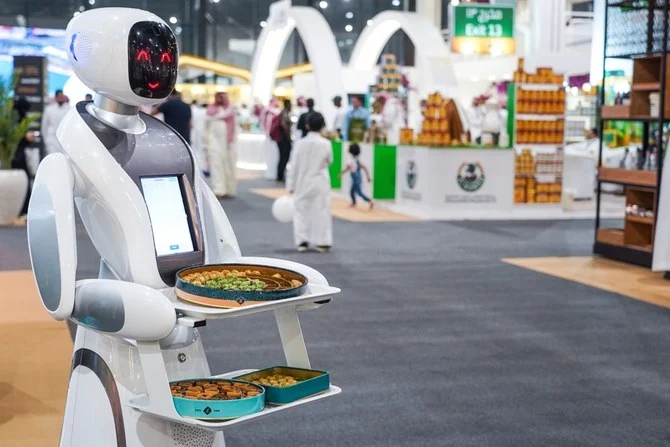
(116, 114)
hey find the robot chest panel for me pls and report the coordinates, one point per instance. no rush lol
(158, 151)
(156, 155)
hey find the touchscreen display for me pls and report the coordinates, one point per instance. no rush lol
(170, 224)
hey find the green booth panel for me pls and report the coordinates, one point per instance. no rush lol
(384, 172)
(336, 166)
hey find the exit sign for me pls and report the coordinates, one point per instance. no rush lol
(482, 29)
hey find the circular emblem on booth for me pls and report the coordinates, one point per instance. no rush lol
(470, 176)
(240, 300)
(411, 173)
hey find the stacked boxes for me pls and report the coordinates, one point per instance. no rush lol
(538, 177)
(550, 163)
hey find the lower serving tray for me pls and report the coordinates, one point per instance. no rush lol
(143, 404)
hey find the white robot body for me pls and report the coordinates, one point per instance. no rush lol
(149, 213)
(107, 172)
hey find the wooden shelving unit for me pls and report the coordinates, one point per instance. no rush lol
(634, 242)
(646, 86)
(628, 176)
(640, 219)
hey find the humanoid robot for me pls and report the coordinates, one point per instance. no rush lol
(148, 213)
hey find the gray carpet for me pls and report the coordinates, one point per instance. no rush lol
(435, 342)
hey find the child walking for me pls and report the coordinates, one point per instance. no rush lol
(357, 169)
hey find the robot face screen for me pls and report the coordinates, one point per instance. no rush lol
(152, 59)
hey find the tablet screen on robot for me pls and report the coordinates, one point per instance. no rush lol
(169, 221)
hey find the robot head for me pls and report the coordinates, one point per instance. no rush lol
(124, 54)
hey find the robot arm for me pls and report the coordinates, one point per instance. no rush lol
(220, 241)
(117, 307)
(51, 235)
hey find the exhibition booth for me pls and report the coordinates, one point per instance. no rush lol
(494, 146)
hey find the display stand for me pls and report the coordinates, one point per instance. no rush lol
(448, 183)
(539, 132)
(634, 242)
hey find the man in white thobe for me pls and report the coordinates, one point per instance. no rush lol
(309, 182)
(392, 117)
(51, 117)
(340, 117)
(221, 151)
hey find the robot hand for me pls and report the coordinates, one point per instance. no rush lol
(116, 307)
(123, 309)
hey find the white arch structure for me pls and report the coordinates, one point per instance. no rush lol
(432, 55)
(319, 43)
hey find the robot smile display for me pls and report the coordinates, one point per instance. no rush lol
(149, 214)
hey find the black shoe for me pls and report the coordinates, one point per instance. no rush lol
(303, 247)
(323, 248)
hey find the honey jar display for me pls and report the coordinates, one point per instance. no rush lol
(540, 102)
(540, 131)
(439, 126)
(406, 135)
(538, 177)
(543, 75)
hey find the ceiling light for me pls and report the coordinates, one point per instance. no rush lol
(350, 41)
(215, 1)
(264, 23)
(370, 22)
(340, 43)
(76, 13)
(348, 28)
(91, 2)
(177, 30)
(395, 2)
(173, 20)
(323, 4)
(82, 9)
(349, 15)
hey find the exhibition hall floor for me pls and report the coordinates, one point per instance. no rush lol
(436, 340)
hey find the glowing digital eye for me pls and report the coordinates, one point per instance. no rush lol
(165, 57)
(153, 85)
(142, 55)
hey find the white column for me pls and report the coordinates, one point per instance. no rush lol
(547, 24)
(431, 9)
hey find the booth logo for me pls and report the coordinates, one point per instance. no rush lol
(411, 174)
(470, 176)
